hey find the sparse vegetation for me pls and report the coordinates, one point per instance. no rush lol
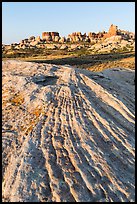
(17, 99)
(82, 58)
(92, 61)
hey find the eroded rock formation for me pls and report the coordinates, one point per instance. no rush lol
(68, 134)
(113, 31)
(76, 37)
(50, 36)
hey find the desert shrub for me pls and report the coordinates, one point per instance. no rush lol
(124, 49)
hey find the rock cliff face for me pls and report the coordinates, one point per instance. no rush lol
(50, 36)
(113, 31)
(68, 134)
(75, 37)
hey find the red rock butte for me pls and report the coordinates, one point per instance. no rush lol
(77, 36)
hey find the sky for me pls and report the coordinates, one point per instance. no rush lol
(21, 20)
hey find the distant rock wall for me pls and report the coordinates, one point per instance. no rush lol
(113, 31)
(50, 36)
(75, 37)
(79, 37)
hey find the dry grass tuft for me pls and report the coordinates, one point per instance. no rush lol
(17, 99)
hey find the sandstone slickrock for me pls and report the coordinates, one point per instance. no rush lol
(68, 134)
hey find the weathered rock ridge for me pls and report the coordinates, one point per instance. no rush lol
(68, 134)
(76, 37)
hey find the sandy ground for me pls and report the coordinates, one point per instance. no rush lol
(68, 134)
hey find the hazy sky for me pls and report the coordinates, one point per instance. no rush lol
(21, 20)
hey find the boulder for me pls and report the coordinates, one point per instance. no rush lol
(41, 46)
(63, 47)
(34, 43)
(32, 38)
(68, 39)
(74, 47)
(87, 39)
(77, 39)
(22, 42)
(38, 38)
(62, 40)
(17, 47)
(8, 47)
(92, 40)
(51, 46)
(124, 43)
(24, 47)
(56, 39)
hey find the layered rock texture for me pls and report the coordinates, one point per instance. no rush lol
(50, 36)
(68, 134)
(75, 37)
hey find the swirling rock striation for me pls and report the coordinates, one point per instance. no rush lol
(68, 134)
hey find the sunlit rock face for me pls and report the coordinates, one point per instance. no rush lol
(67, 134)
(50, 36)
